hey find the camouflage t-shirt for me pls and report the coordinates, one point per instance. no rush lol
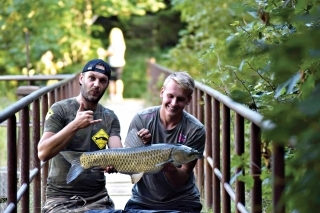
(155, 189)
(92, 138)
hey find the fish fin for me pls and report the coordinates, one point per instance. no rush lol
(133, 140)
(74, 159)
(162, 163)
(136, 177)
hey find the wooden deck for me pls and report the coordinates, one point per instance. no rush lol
(119, 185)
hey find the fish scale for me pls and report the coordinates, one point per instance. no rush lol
(136, 159)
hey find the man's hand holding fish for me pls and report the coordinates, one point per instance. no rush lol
(145, 135)
(110, 170)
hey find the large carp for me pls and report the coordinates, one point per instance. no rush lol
(135, 159)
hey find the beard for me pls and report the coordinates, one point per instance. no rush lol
(86, 94)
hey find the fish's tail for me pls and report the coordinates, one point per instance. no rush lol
(74, 159)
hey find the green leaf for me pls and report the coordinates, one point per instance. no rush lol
(307, 86)
(240, 96)
(311, 106)
(248, 180)
(288, 85)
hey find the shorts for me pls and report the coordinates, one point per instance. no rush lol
(116, 73)
(77, 204)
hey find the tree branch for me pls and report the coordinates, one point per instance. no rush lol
(273, 89)
(254, 106)
(220, 87)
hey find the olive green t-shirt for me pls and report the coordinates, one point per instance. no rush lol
(92, 138)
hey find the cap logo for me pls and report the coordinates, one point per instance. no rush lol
(92, 66)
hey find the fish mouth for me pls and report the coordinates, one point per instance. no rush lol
(197, 154)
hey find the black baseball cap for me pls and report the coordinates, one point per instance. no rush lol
(92, 66)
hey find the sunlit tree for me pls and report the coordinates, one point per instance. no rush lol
(264, 54)
(28, 29)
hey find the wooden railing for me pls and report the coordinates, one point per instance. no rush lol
(225, 122)
(31, 111)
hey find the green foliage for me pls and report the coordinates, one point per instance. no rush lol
(146, 37)
(134, 74)
(264, 54)
(62, 27)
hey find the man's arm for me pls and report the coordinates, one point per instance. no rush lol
(114, 142)
(52, 143)
(179, 176)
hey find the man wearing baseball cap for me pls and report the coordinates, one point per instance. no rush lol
(98, 65)
(79, 124)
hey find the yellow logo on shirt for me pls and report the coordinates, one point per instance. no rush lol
(49, 113)
(101, 138)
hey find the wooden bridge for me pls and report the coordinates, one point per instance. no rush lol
(232, 129)
(119, 185)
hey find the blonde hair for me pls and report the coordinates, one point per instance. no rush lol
(116, 37)
(183, 79)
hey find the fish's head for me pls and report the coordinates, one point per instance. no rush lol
(183, 154)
